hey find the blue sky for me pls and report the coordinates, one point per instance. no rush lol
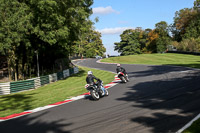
(117, 15)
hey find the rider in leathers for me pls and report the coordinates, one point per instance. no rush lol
(90, 80)
(121, 69)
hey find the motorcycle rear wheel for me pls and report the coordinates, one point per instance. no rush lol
(94, 94)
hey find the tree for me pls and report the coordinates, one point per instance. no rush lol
(84, 32)
(182, 20)
(49, 27)
(15, 26)
(186, 27)
(197, 4)
(94, 45)
(130, 42)
(151, 41)
(193, 28)
(164, 38)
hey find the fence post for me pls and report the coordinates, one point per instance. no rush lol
(37, 82)
(76, 70)
(71, 71)
(53, 77)
(4, 88)
(66, 73)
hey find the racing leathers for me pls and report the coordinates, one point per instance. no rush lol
(121, 69)
(90, 80)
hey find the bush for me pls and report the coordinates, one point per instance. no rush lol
(189, 45)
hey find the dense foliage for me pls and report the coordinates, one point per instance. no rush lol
(144, 41)
(49, 28)
(90, 44)
(184, 34)
(129, 43)
(186, 28)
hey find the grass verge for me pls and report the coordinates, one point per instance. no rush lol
(194, 128)
(51, 93)
(158, 59)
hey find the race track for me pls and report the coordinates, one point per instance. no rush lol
(158, 99)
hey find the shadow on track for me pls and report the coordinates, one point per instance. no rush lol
(30, 125)
(166, 103)
(155, 70)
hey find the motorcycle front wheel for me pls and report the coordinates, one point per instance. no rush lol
(94, 94)
(106, 92)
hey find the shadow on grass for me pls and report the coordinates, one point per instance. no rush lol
(28, 124)
(15, 102)
(165, 104)
(79, 74)
(21, 102)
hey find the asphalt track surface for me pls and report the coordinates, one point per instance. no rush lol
(158, 99)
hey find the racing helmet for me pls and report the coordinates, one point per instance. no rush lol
(89, 72)
(118, 64)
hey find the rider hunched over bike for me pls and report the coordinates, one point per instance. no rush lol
(90, 80)
(121, 69)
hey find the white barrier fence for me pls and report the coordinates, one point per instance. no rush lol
(5, 88)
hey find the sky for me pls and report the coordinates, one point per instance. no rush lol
(115, 16)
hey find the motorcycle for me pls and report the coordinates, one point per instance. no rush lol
(96, 92)
(123, 77)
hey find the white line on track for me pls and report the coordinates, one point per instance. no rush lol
(189, 124)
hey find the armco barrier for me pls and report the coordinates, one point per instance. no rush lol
(44, 80)
(53, 77)
(4, 88)
(37, 82)
(66, 73)
(71, 71)
(12, 87)
(76, 70)
(60, 75)
(21, 85)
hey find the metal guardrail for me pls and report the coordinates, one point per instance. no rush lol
(44, 80)
(21, 85)
(13, 87)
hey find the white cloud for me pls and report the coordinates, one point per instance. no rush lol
(117, 30)
(104, 10)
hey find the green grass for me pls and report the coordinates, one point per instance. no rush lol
(158, 59)
(194, 128)
(51, 93)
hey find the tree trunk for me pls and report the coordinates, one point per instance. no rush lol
(9, 70)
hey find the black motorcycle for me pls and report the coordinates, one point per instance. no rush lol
(96, 92)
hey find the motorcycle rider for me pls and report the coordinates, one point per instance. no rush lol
(121, 69)
(90, 80)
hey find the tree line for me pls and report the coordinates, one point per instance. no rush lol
(52, 29)
(184, 34)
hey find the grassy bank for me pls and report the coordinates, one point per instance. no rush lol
(158, 59)
(51, 93)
